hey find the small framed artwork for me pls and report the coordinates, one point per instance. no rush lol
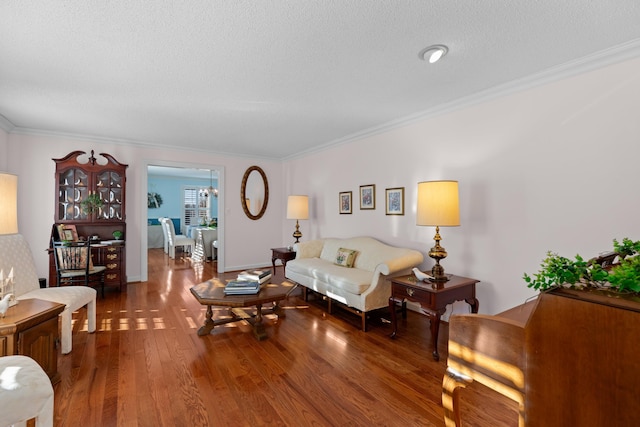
(394, 201)
(345, 202)
(368, 196)
(70, 233)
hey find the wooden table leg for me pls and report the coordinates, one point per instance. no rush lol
(208, 323)
(258, 326)
(279, 311)
(394, 317)
(434, 319)
(474, 303)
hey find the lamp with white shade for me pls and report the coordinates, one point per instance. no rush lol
(8, 203)
(438, 206)
(297, 208)
(8, 225)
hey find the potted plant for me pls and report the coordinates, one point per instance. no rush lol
(117, 235)
(91, 204)
(613, 274)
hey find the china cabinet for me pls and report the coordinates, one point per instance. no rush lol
(90, 204)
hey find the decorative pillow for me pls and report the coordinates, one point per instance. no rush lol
(346, 257)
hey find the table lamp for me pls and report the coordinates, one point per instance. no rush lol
(297, 208)
(8, 204)
(438, 206)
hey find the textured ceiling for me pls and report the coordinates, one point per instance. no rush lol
(278, 78)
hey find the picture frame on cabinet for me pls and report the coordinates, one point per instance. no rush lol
(367, 197)
(344, 202)
(70, 233)
(394, 201)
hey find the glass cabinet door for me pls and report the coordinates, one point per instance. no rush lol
(109, 187)
(73, 188)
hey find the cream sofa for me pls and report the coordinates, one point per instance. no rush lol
(361, 288)
(15, 253)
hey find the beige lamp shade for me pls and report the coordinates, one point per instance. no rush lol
(298, 207)
(438, 204)
(8, 204)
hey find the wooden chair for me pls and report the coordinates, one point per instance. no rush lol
(75, 266)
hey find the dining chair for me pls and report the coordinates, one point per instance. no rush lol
(75, 266)
(165, 234)
(177, 239)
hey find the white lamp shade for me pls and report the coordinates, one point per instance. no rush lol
(8, 204)
(438, 204)
(298, 207)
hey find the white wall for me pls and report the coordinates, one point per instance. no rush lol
(247, 242)
(4, 141)
(549, 168)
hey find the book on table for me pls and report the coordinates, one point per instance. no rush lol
(242, 287)
(260, 276)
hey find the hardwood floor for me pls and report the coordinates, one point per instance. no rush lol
(146, 366)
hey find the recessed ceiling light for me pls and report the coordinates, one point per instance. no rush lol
(433, 53)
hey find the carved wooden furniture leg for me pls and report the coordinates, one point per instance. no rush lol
(208, 323)
(474, 303)
(394, 317)
(278, 311)
(258, 326)
(451, 383)
(434, 319)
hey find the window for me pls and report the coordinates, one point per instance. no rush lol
(196, 205)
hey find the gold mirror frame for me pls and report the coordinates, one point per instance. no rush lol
(243, 192)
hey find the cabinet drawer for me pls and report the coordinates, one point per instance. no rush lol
(412, 294)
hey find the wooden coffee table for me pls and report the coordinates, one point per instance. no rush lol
(211, 293)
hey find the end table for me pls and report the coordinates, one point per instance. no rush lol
(283, 254)
(433, 298)
(30, 328)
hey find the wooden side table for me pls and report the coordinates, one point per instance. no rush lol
(30, 328)
(433, 298)
(283, 254)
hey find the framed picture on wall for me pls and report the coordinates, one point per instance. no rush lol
(368, 196)
(345, 202)
(394, 201)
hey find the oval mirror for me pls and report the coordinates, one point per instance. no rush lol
(254, 192)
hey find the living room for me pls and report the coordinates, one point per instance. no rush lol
(547, 168)
(544, 163)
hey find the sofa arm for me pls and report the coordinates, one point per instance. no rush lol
(409, 260)
(310, 249)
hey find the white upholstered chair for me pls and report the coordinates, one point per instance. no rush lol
(25, 392)
(165, 233)
(15, 253)
(177, 239)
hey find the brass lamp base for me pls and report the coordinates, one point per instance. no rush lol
(297, 234)
(437, 253)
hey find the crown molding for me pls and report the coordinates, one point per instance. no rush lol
(623, 52)
(620, 53)
(127, 142)
(6, 125)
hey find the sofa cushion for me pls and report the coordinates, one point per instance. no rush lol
(352, 280)
(345, 257)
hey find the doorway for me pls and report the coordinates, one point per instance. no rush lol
(177, 171)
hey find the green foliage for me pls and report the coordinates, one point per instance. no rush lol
(556, 270)
(91, 204)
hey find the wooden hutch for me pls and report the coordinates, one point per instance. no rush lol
(74, 182)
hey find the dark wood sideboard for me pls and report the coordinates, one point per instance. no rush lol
(572, 362)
